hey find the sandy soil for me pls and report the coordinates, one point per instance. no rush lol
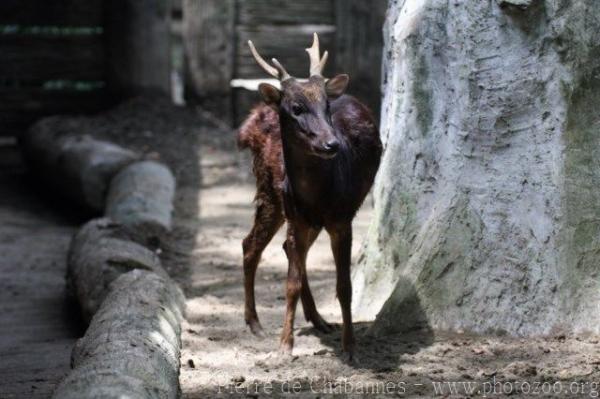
(221, 358)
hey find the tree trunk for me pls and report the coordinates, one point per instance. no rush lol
(488, 199)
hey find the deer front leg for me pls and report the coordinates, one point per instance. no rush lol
(341, 245)
(299, 238)
(308, 303)
(310, 309)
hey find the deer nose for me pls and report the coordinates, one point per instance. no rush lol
(331, 146)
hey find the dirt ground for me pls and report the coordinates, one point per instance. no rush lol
(222, 359)
(38, 326)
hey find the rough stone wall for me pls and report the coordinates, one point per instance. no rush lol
(488, 196)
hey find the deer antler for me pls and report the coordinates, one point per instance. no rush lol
(278, 71)
(316, 62)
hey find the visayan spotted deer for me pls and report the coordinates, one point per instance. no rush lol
(316, 152)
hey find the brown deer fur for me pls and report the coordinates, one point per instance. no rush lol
(316, 153)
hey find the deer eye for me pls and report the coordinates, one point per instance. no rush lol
(297, 109)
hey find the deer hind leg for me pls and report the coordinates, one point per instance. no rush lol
(308, 303)
(268, 220)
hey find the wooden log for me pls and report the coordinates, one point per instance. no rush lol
(131, 348)
(78, 166)
(100, 252)
(141, 197)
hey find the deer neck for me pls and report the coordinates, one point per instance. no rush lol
(304, 172)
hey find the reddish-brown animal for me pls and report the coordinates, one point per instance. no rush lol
(316, 152)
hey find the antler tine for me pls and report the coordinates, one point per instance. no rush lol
(278, 71)
(316, 62)
(323, 61)
(283, 74)
(261, 61)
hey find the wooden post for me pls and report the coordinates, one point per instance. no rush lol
(359, 42)
(208, 34)
(138, 46)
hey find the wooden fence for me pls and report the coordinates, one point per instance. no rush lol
(75, 56)
(216, 32)
(52, 59)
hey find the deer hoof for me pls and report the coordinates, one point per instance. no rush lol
(285, 349)
(321, 325)
(349, 357)
(256, 328)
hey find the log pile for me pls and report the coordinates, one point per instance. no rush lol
(131, 347)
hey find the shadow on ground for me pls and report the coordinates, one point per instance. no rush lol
(383, 352)
(38, 324)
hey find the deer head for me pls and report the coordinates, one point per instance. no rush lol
(303, 106)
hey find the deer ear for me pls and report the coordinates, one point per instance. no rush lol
(336, 86)
(270, 94)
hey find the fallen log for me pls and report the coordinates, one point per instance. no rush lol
(79, 167)
(100, 252)
(131, 348)
(141, 197)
